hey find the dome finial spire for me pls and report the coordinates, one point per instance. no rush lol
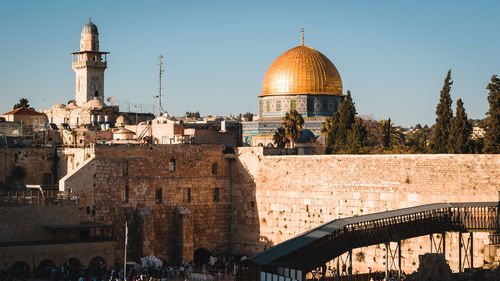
(302, 36)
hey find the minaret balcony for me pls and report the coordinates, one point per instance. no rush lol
(90, 63)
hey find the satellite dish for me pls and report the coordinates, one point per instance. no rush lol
(111, 99)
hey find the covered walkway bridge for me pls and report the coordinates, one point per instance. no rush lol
(292, 259)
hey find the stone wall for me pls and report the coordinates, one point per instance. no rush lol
(143, 172)
(27, 165)
(18, 224)
(279, 197)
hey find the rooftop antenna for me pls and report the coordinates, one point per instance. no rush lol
(160, 75)
(302, 36)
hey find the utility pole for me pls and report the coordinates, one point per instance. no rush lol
(125, 256)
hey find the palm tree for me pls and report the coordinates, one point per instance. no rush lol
(292, 122)
(327, 126)
(279, 137)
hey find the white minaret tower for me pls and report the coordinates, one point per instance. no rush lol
(89, 65)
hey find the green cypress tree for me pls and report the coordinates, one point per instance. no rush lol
(492, 136)
(337, 128)
(356, 138)
(460, 131)
(441, 130)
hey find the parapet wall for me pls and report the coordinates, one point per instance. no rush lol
(28, 165)
(283, 196)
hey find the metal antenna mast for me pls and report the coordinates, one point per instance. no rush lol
(160, 64)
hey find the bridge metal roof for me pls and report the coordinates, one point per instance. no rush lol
(297, 243)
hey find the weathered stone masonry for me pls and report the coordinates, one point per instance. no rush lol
(156, 197)
(264, 200)
(279, 197)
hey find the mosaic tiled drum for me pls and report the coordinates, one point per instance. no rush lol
(304, 79)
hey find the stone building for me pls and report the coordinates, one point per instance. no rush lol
(302, 78)
(176, 198)
(27, 116)
(183, 130)
(183, 199)
(89, 65)
(88, 111)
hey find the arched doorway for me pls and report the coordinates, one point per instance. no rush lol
(97, 266)
(201, 256)
(20, 269)
(44, 269)
(73, 266)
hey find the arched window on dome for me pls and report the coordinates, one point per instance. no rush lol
(171, 165)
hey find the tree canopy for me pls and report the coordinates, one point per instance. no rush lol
(492, 136)
(460, 131)
(441, 130)
(23, 102)
(292, 124)
(344, 132)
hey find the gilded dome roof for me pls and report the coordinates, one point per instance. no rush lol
(302, 70)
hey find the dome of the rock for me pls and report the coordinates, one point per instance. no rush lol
(302, 71)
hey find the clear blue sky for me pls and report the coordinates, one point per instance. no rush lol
(392, 55)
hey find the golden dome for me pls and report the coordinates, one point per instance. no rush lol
(301, 71)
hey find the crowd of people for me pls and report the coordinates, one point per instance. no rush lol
(216, 268)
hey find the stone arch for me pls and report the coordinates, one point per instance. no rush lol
(201, 256)
(97, 266)
(44, 268)
(20, 269)
(74, 266)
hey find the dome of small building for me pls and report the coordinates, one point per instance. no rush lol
(302, 71)
(90, 27)
(72, 105)
(58, 105)
(120, 121)
(306, 137)
(94, 103)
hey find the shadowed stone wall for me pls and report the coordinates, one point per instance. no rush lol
(137, 183)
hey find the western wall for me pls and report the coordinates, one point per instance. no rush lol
(261, 200)
(139, 183)
(279, 197)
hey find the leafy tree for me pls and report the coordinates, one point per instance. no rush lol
(344, 134)
(356, 138)
(418, 140)
(439, 140)
(248, 116)
(192, 114)
(460, 131)
(279, 137)
(292, 124)
(23, 102)
(492, 136)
